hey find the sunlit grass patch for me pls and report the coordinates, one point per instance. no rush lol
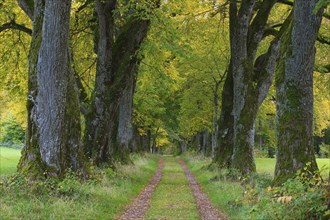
(9, 158)
(267, 166)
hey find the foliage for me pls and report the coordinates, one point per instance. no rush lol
(12, 131)
(255, 198)
(303, 197)
(13, 64)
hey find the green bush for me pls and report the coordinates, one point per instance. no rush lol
(303, 197)
(12, 131)
(325, 150)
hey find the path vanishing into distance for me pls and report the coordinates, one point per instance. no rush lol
(172, 193)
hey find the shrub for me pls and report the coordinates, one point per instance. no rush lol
(303, 197)
(11, 131)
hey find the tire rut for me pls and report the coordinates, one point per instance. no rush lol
(137, 209)
(206, 210)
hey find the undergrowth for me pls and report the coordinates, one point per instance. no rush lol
(101, 197)
(306, 196)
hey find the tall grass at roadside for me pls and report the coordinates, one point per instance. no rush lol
(224, 194)
(255, 198)
(100, 198)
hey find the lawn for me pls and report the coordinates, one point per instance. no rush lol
(267, 166)
(9, 158)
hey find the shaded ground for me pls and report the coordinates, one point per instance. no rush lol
(177, 196)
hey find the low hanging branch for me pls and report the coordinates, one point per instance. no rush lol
(13, 25)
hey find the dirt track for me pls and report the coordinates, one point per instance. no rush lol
(138, 208)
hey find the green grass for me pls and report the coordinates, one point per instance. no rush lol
(105, 198)
(227, 195)
(222, 194)
(267, 166)
(173, 197)
(9, 158)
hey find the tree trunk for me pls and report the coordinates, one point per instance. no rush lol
(97, 132)
(260, 135)
(215, 131)
(294, 87)
(251, 77)
(125, 127)
(225, 147)
(54, 118)
(183, 146)
(147, 141)
(30, 162)
(205, 142)
(117, 64)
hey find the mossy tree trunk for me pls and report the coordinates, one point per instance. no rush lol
(215, 131)
(225, 144)
(251, 79)
(53, 142)
(97, 131)
(294, 91)
(116, 69)
(125, 126)
(30, 161)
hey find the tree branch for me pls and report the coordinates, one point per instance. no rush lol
(15, 26)
(28, 7)
(257, 27)
(273, 32)
(323, 39)
(322, 69)
(82, 7)
(290, 3)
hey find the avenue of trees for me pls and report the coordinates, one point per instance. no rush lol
(100, 79)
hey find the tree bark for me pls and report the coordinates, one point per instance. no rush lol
(294, 88)
(125, 129)
(215, 131)
(97, 132)
(30, 161)
(225, 143)
(246, 86)
(53, 135)
(117, 64)
(251, 77)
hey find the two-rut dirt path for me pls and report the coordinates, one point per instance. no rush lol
(172, 193)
